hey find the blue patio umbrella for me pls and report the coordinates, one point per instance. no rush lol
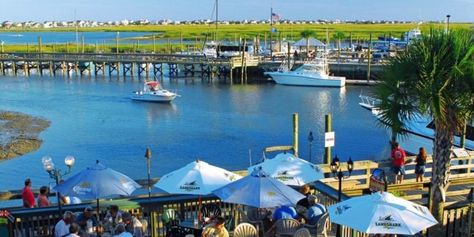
(97, 182)
(258, 190)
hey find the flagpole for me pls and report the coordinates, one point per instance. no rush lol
(271, 32)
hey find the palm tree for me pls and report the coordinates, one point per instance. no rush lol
(338, 36)
(307, 34)
(434, 77)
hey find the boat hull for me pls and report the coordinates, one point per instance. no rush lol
(152, 97)
(295, 79)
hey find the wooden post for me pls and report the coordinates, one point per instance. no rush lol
(67, 47)
(154, 44)
(289, 55)
(265, 39)
(39, 45)
(368, 57)
(350, 36)
(328, 128)
(82, 44)
(295, 133)
(27, 47)
(462, 143)
(169, 46)
(117, 42)
(279, 41)
(181, 41)
(242, 64)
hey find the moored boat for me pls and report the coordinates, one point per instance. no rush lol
(312, 73)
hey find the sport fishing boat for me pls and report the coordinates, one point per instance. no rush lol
(153, 92)
(313, 73)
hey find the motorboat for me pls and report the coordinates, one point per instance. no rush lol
(153, 92)
(313, 73)
(419, 125)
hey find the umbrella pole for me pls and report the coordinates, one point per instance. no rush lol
(199, 214)
(98, 220)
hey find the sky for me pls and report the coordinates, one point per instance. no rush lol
(111, 10)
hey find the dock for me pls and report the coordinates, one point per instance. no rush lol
(235, 69)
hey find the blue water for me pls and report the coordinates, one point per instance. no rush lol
(63, 37)
(93, 119)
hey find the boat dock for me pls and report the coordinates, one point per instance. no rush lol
(236, 69)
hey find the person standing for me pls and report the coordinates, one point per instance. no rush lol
(43, 197)
(420, 164)
(398, 156)
(27, 195)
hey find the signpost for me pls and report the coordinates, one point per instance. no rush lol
(329, 139)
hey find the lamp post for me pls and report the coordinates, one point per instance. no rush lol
(310, 140)
(447, 22)
(56, 173)
(148, 161)
(337, 172)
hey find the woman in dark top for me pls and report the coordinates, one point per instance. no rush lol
(420, 164)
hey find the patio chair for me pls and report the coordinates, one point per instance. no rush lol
(320, 227)
(245, 230)
(286, 227)
(303, 232)
(210, 210)
(244, 218)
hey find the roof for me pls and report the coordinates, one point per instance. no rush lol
(312, 43)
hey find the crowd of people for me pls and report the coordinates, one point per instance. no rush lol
(85, 224)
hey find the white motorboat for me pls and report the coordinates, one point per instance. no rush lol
(153, 92)
(312, 73)
(420, 125)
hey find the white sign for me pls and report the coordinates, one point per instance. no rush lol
(329, 139)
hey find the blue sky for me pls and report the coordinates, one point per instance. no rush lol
(104, 10)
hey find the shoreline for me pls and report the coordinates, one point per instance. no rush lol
(20, 133)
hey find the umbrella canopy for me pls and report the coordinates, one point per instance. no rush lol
(258, 190)
(97, 182)
(312, 43)
(382, 213)
(197, 177)
(290, 169)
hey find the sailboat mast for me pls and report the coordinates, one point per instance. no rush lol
(217, 17)
(271, 31)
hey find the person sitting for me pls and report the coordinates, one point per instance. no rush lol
(315, 211)
(217, 229)
(73, 230)
(120, 231)
(43, 197)
(61, 229)
(113, 217)
(132, 224)
(284, 212)
(86, 220)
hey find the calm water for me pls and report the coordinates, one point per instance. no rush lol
(94, 119)
(62, 37)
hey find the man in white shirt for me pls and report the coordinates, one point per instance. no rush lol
(61, 229)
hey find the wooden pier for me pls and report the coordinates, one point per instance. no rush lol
(236, 69)
(123, 64)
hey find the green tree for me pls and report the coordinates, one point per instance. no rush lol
(338, 36)
(307, 34)
(433, 77)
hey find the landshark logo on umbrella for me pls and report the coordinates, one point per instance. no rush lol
(231, 177)
(341, 209)
(387, 222)
(190, 186)
(283, 176)
(82, 188)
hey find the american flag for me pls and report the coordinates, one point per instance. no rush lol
(275, 17)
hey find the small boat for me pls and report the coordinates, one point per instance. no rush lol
(153, 92)
(312, 73)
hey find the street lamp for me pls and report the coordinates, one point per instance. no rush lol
(337, 172)
(310, 140)
(56, 173)
(148, 161)
(447, 23)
